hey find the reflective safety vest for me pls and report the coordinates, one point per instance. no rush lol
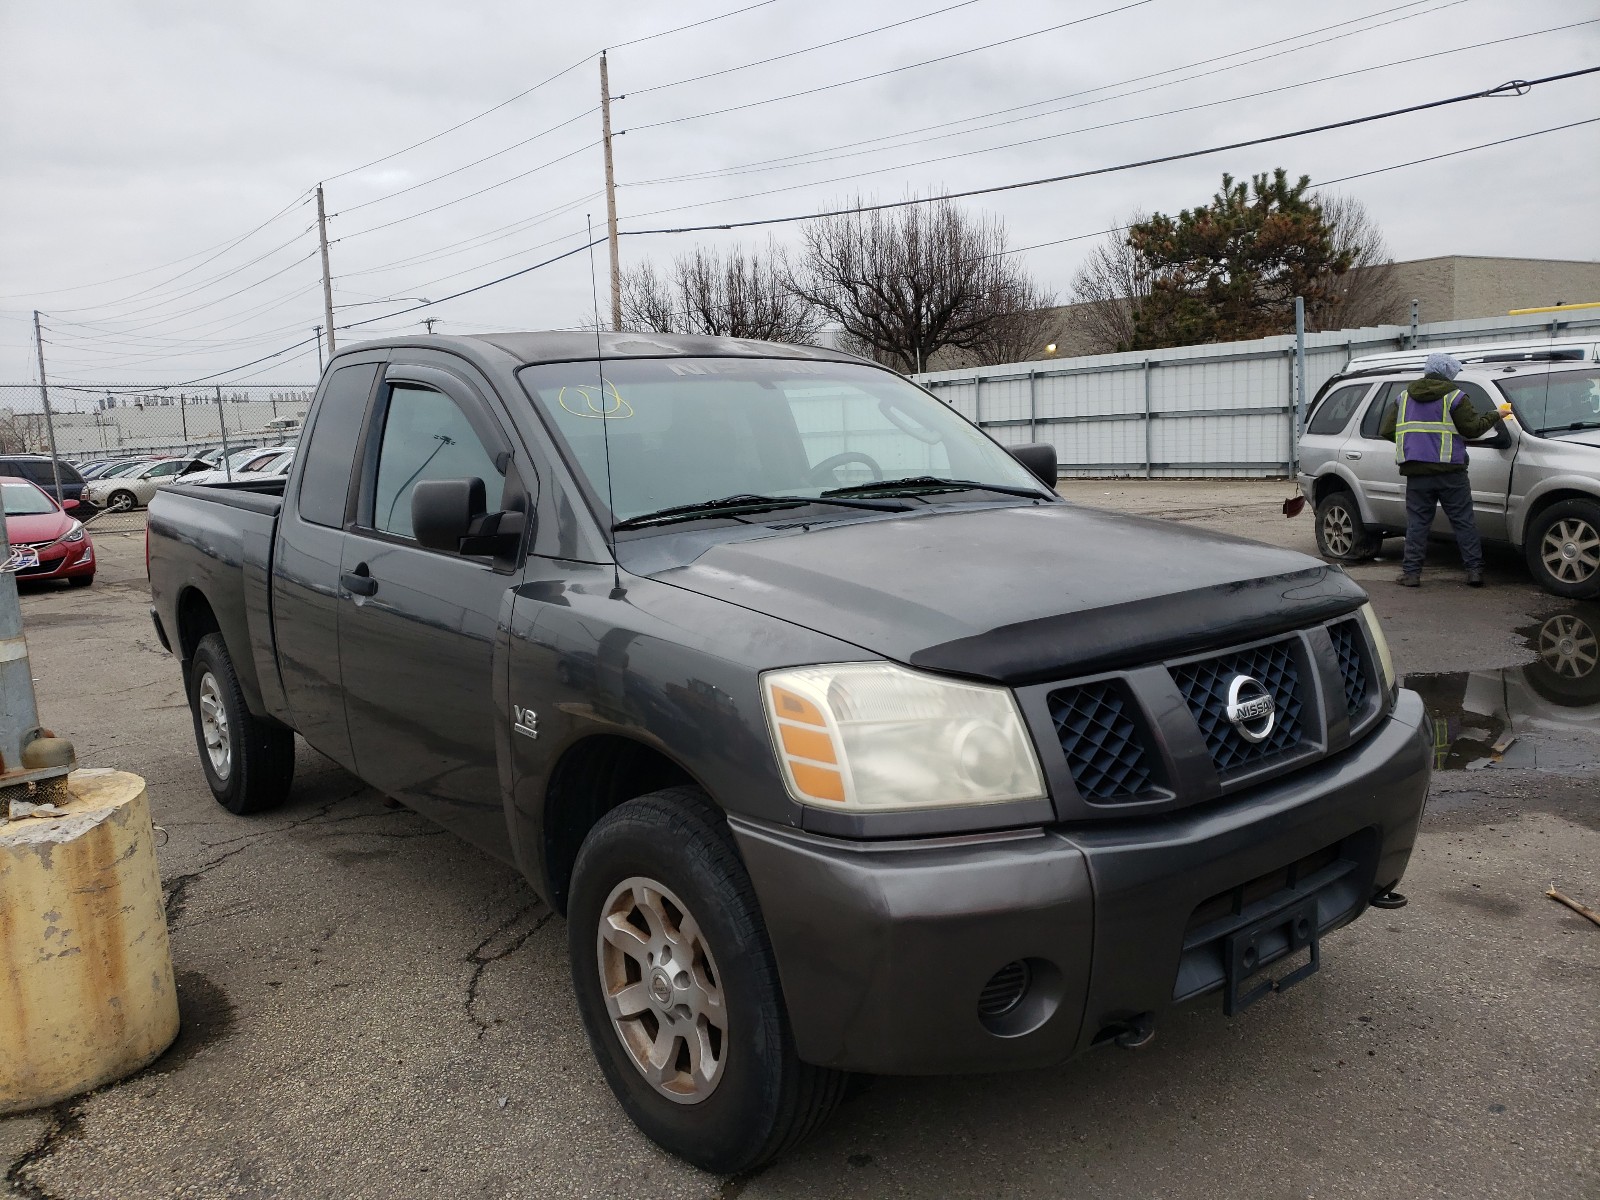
(1423, 431)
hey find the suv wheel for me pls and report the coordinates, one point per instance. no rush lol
(249, 762)
(678, 989)
(1563, 549)
(1340, 534)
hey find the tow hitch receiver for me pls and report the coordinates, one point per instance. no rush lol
(1282, 934)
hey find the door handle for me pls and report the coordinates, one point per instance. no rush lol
(1352, 454)
(359, 582)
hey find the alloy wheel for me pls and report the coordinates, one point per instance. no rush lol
(662, 990)
(214, 726)
(1571, 550)
(1338, 531)
(1568, 646)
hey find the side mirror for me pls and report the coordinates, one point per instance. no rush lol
(448, 515)
(442, 511)
(68, 505)
(1040, 459)
(1498, 438)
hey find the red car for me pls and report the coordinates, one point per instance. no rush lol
(46, 543)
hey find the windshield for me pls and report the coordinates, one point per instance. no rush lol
(25, 500)
(1555, 401)
(685, 431)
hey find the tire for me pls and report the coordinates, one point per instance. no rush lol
(665, 853)
(80, 581)
(1567, 671)
(1341, 537)
(249, 762)
(121, 501)
(1563, 549)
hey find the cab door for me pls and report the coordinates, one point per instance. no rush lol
(420, 631)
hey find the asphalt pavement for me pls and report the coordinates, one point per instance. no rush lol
(372, 1008)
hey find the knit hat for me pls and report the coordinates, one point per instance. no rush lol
(1442, 365)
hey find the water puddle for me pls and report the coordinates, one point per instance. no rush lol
(1544, 715)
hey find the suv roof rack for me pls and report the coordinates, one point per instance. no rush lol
(1555, 350)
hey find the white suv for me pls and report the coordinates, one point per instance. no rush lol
(1535, 480)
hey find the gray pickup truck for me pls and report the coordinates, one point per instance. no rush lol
(843, 742)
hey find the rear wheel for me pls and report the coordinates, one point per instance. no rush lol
(1563, 549)
(248, 761)
(678, 989)
(1341, 536)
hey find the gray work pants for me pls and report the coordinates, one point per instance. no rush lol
(1453, 493)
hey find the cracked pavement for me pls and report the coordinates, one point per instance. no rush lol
(373, 1008)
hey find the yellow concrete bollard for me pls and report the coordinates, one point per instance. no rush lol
(86, 987)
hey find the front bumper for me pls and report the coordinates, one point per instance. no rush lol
(884, 948)
(62, 560)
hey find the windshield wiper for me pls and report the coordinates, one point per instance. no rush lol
(745, 502)
(924, 483)
(1572, 428)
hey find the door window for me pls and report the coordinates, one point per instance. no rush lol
(425, 436)
(331, 452)
(1373, 421)
(1333, 414)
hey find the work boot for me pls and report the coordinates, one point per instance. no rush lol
(1408, 580)
(1475, 577)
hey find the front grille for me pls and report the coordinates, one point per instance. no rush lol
(1102, 741)
(1205, 686)
(1005, 989)
(1347, 646)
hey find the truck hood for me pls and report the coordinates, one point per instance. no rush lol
(1022, 594)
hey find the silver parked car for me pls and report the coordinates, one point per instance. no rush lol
(1535, 480)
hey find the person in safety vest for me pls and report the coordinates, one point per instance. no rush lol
(1430, 425)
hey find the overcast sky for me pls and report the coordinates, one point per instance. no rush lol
(141, 140)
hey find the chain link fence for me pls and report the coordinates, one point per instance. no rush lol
(122, 423)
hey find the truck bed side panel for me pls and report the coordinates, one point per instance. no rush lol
(217, 545)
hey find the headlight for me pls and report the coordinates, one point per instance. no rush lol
(874, 736)
(73, 534)
(1375, 632)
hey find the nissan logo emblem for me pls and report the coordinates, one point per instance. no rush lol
(1250, 708)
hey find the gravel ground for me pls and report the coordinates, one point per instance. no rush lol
(374, 1009)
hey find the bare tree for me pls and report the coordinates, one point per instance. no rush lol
(741, 295)
(906, 283)
(1369, 292)
(1106, 291)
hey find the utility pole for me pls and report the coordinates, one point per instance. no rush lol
(611, 197)
(317, 329)
(327, 279)
(428, 321)
(44, 396)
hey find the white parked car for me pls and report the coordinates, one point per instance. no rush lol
(270, 463)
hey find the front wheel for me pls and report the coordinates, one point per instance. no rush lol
(249, 762)
(121, 501)
(679, 992)
(1563, 549)
(1340, 534)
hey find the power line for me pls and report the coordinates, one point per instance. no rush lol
(1514, 87)
(762, 62)
(225, 246)
(830, 151)
(451, 249)
(465, 167)
(1464, 150)
(549, 79)
(1287, 87)
(717, 112)
(470, 195)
